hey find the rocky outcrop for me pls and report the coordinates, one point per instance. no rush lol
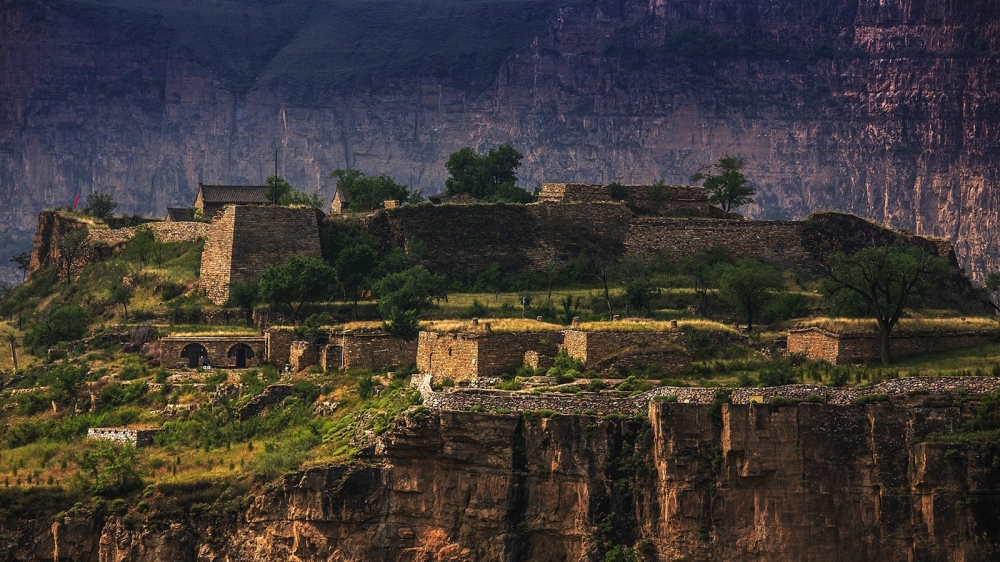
(884, 109)
(690, 482)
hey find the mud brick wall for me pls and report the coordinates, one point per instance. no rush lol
(593, 347)
(375, 350)
(465, 356)
(278, 342)
(217, 347)
(858, 348)
(244, 240)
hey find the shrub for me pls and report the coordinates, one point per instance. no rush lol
(665, 398)
(596, 385)
(871, 398)
(63, 324)
(477, 408)
(813, 398)
(779, 401)
(366, 386)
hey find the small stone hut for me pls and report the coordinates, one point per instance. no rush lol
(463, 356)
(852, 348)
(213, 198)
(606, 350)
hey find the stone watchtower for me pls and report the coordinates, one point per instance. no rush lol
(244, 240)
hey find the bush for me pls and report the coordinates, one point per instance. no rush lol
(63, 324)
(596, 385)
(871, 398)
(366, 386)
(477, 310)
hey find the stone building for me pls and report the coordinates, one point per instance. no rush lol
(178, 214)
(852, 348)
(464, 356)
(193, 351)
(341, 202)
(608, 350)
(244, 240)
(213, 198)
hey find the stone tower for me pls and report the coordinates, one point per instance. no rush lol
(244, 240)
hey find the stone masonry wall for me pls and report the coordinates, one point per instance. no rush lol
(137, 437)
(842, 349)
(217, 347)
(375, 350)
(594, 347)
(164, 231)
(465, 356)
(465, 399)
(774, 241)
(302, 354)
(666, 200)
(244, 240)
(277, 344)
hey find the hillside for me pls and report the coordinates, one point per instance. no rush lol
(884, 109)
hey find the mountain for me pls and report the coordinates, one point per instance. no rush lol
(889, 109)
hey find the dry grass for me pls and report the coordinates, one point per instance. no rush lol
(504, 325)
(640, 325)
(209, 331)
(905, 325)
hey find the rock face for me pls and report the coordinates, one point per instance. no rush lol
(886, 109)
(751, 482)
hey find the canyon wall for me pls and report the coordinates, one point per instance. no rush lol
(690, 482)
(885, 109)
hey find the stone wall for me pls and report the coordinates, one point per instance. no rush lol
(277, 343)
(244, 240)
(464, 356)
(218, 348)
(375, 350)
(164, 231)
(302, 354)
(331, 357)
(666, 200)
(594, 347)
(137, 437)
(841, 349)
(602, 403)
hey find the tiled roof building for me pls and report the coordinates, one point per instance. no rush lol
(212, 198)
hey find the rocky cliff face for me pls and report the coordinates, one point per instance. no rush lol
(753, 483)
(885, 109)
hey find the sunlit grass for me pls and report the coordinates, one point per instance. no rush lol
(507, 325)
(905, 325)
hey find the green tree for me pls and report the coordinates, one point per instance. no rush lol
(11, 338)
(122, 294)
(369, 193)
(23, 261)
(703, 267)
(62, 324)
(71, 246)
(355, 266)
(277, 187)
(491, 177)
(748, 285)
(296, 197)
(636, 279)
(244, 295)
(728, 187)
(404, 296)
(113, 468)
(101, 205)
(885, 278)
(296, 282)
(143, 245)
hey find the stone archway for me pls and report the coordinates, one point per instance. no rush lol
(241, 352)
(194, 353)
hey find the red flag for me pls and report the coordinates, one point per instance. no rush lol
(76, 200)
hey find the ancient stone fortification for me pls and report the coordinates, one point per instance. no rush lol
(464, 356)
(164, 231)
(367, 349)
(220, 350)
(531, 238)
(664, 200)
(593, 347)
(245, 240)
(135, 436)
(277, 343)
(839, 349)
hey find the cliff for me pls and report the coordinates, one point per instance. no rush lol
(691, 482)
(884, 109)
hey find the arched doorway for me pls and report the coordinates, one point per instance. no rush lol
(241, 352)
(194, 353)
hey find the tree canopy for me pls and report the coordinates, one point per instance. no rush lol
(354, 266)
(728, 187)
(296, 282)
(277, 187)
(369, 193)
(748, 285)
(885, 279)
(491, 177)
(101, 205)
(404, 296)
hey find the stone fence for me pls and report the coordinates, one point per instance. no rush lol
(164, 232)
(840, 349)
(465, 399)
(135, 436)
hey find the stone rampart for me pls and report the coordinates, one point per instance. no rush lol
(164, 232)
(362, 349)
(594, 347)
(244, 240)
(841, 349)
(219, 350)
(277, 344)
(465, 399)
(661, 200)
(464, 356)
(134, 436)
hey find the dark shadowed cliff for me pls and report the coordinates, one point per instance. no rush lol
(888, 109)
